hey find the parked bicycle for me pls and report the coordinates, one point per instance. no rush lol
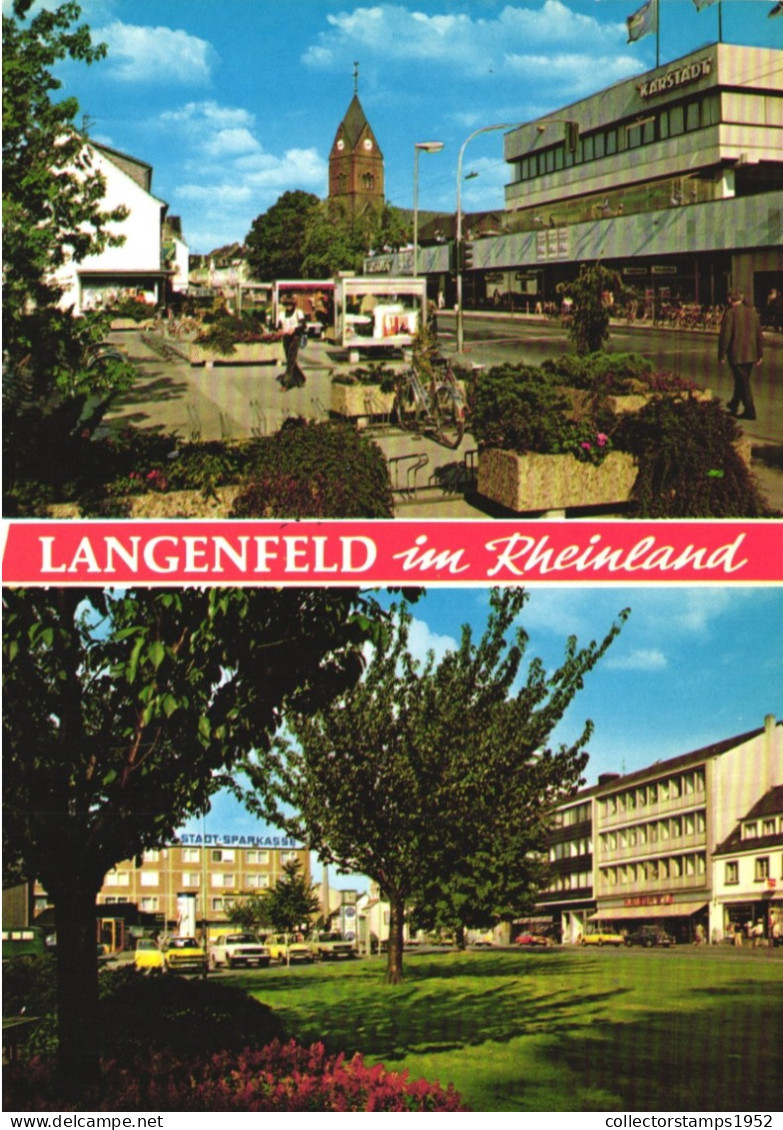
(433, 405)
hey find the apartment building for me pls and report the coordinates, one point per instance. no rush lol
(748, 870)
(638, 848)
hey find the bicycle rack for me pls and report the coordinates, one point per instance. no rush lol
(259, 427)
(194, 417)
(417, 461)
(320, 408)
(378, 415)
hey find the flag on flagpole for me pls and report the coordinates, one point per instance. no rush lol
(643, 21)
(702, 4)
(777, 10)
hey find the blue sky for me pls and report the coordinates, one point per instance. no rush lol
(233, 102)
(692, 665)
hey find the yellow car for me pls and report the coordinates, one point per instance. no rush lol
(184, 954)
(602, 938)
(288, 948)
(147, 957)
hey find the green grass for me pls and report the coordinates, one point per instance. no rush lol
(557, 1030)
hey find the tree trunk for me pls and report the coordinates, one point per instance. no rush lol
(396, 919)
(460, 936)
(77, 988)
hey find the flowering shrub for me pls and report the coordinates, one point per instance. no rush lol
(375, 374)
(226, 331)
(279, 1077)
(615, 374)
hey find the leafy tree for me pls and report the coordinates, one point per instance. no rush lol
(291, 903)
(589, 327)
(51, 214)
(122, 713)
(437, 777)
(274, 242)
(246, 913)
(335, 240)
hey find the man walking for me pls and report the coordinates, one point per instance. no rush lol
(741, 342)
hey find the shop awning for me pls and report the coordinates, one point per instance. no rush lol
(668, 910)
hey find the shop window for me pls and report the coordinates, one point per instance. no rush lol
(732, 873)
(761, 869)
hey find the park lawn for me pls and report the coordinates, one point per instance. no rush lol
(558, 1029)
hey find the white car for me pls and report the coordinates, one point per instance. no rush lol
(238, 949)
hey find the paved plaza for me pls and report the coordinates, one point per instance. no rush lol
(240, 401)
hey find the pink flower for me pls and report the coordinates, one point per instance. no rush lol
(602, 439)
(586, 446)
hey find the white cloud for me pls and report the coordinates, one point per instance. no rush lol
(422, 640)
(155, 54)
(518, 36)
(641, 659)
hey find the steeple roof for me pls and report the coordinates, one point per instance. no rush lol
(354, 122)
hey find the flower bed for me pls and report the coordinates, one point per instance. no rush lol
(534, 482)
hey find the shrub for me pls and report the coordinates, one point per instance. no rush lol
(222, 333)
(611, 372)
(131, 308)
(317, 470)
(280, 1077)
(688, 464)
(188, 1017)
(589, 326)
(376, 374)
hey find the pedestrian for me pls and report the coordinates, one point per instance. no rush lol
(740, 342)
(758, 934)
(777, 933)
(291, 321)
(701, 934)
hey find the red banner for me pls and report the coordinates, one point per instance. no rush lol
(389, 552)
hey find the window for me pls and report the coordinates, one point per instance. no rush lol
(692, 116)
(761, 869)
(589, 148)
(223, 855)
(257, 882)
(191, 855)
(611, 142)
(652, 794)
(152, 856)
(258, 857)
(117, 879)
(149, 903)
(732, 873)
(750, 831)
(600, 145)
(676, 121)
(191, 879)
(150, 879)
(768, 828)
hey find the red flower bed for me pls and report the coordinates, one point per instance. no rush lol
(284, 1077)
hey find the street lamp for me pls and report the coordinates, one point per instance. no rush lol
(458, 240)
(428, 147)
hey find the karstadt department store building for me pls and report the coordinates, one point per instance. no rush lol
(675, 179)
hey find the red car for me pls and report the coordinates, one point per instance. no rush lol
(533, 940)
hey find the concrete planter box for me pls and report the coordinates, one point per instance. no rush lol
(168, 504)
(534, 482)
(131, 324)
(360, 402)
(247, 353)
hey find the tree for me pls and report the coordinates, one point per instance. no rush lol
(122, 715)
(51, 214)
(276, 237)
(589, 327)
(437, 777)
(336, 240)
(291, 903)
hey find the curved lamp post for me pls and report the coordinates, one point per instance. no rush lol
(458, 236)
(427, 147)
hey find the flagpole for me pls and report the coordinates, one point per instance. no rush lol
(657, 33)
(720, 21)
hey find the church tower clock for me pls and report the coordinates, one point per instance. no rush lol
(356, 161)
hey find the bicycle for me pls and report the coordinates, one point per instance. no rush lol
(437, 409)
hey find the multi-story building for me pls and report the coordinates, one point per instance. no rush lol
(673, 178)
(747, 884)
(138, 266)
(209, 871)
(638, 848)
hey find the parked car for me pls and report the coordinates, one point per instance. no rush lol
(147, 957)
(602, 938)
(184, 953)
(238, 949)
(527, 939)
(287, 948)
(330, 945)
(649, 936)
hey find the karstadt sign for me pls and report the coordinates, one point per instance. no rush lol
(679, 76)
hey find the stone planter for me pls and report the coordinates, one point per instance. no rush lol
(361, 403)
(166, 504)
(636, 401)
(245, 353)
(534, 482)
(131, 324)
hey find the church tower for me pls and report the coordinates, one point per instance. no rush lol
(356, 161)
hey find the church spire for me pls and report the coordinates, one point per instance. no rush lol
(356, 76)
